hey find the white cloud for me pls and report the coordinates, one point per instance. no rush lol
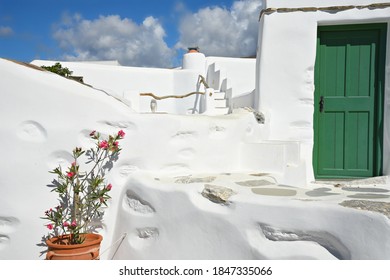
(5, 31)
(218, 31)
(114, 38)
(222, 31)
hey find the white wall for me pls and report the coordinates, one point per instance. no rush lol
(44, 116)
(285, 68)
(240, 74)
(126, 83)
(236, 76)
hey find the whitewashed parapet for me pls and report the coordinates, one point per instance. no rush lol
(333, 9)
(207, 104)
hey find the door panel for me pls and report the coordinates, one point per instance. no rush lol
(348, 74)
(358, 150)
(332, 135)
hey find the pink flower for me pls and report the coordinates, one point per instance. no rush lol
(103, 145)
(109, 187)
(121, 133)
(74, 163)
(115, 146)
(47, 212)
(50, 226)
(65, 224)
(70, 175)
(73, 224)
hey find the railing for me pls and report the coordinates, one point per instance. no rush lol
(206, 104)
(201, 80)
(170, 96)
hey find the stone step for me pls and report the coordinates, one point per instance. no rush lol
(219, 102)
(221, 110)
(219, 95)
(276, 157)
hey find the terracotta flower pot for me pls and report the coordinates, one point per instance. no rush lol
(60, 249)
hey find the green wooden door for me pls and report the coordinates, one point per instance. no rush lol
(348, 98)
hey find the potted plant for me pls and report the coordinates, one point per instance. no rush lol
(82, 197)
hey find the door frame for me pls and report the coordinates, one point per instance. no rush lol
(379, 94)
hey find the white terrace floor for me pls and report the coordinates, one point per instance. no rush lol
(372, 194)
(251, 216)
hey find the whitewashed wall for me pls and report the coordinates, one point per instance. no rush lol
(285, 68)
(163, 214)
(234, 75)
(240, 74)
(126, 83)
(44, 117)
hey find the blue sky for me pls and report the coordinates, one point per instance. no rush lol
(151, 33)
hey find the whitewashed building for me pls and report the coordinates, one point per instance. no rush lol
(231, 171)
(285, 85)
(336, 107)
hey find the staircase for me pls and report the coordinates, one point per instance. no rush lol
(217, 79)
(220, 103)
(282, 159)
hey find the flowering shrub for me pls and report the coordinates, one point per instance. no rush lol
(82, 194)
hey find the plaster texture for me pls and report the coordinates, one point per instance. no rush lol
(233, 78)
(189, 185)
(285, 68)
(184, 187)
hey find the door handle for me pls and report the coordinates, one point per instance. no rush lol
(322, 104)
